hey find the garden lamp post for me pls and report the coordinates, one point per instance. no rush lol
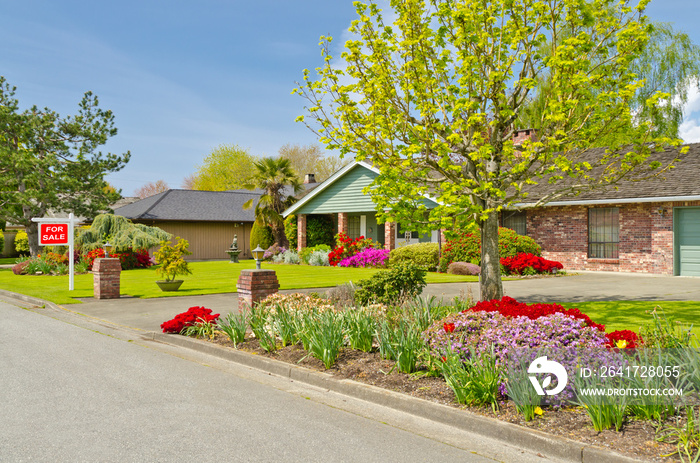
(107, 247)
(258, 253)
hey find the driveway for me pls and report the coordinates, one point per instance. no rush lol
(586, 286)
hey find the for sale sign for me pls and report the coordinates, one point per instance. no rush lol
(53, 234)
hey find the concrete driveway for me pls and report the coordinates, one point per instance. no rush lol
(587, 286)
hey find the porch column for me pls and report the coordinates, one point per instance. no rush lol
(301, 231)
(343, 222)
(389, 235)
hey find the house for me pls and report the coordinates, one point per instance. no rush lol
(648, 226)
(208, 220)
(341, 196)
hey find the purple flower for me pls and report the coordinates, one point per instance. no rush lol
(367, 258)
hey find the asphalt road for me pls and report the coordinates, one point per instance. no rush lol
(72, 389)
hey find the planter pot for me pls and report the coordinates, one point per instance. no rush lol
(169, 285)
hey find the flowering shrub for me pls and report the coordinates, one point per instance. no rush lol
(509, 307)
(367, 258)
(273, 251)
(525, 263)
(466, 247)
(189, 318)
(623, 339)
(463, 268)
(348, 247)
(479, 331)
(129, 259)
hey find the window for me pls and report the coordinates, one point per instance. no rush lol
(354, 226)
(516, 221)
(401, 233)
(603, 233)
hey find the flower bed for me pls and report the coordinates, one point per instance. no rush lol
(526, 263)
(189, 318)
(348, 247)
(368, 257)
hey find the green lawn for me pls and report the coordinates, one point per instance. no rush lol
(631, 315)
(209, 277)
(8, 260)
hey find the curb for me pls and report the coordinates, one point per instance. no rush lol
(559, 448)
(555, 447)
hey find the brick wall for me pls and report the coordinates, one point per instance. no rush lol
(646, 237)
(301, 232)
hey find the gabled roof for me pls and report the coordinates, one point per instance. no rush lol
(680, 183)
(334, 186)
(193, 205)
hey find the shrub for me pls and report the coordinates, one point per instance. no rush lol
(509, 307)
(463, 268)
(290, 230)
(261, 236)
(305, 253)
(129, 259)
(348, 247)
(367, 258)
(319, 258)
(189, 318)
(319, 230)
(393, 286)
(424, 255)
(525, 263)
(466, 247)
(290, 257)
(20, 268)
(273, 251)
(2, 241)
(171, 259)
(21, 242)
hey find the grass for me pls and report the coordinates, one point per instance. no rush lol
(209, 277)
(631, 315)
(8, 260)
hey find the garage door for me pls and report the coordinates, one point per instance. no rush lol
(688, 241)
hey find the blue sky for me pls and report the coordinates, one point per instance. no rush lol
(183, 77)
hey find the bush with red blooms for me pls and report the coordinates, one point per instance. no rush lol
(509, 307)
(623, 339)
(189, 318)
(525, 263)
(129, 259)
(348, 247)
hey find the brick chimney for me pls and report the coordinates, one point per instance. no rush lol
(525, 134)
(309, 178)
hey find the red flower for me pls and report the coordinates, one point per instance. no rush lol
(623, 339)
(189, 318)
(449, 327)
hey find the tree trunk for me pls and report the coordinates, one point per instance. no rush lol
(33, 237)
(490, 284)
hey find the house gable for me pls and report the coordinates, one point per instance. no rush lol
(343, 193)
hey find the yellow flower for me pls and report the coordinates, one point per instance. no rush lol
(621, 344)
(538, 411)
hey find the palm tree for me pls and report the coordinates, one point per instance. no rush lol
(280, 183)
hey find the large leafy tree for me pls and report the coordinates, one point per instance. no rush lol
(279, 183)
(228, 167)
(48, 161)
(669, 63)
(431, 99)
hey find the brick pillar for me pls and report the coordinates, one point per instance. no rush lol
(106, 274)
(255, 285)
(342, 222)
(443, 240)
(389, 235)
(301, 231)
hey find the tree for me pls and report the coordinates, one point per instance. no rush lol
(152, 188)
(309, 159)
(280, 183)
(432, 100)
(670, 63)
(188, 182)
(120, 232)
(227, 167)
(51, 162)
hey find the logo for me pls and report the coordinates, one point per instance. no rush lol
(549, 367)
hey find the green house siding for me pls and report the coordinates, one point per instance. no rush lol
(345, 195)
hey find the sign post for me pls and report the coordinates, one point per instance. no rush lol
(56, 232)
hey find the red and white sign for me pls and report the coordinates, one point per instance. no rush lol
(53, 234)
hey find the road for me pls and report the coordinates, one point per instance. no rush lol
(74, 390)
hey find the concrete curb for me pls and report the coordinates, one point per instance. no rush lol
(559, 448)
(555, 447)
